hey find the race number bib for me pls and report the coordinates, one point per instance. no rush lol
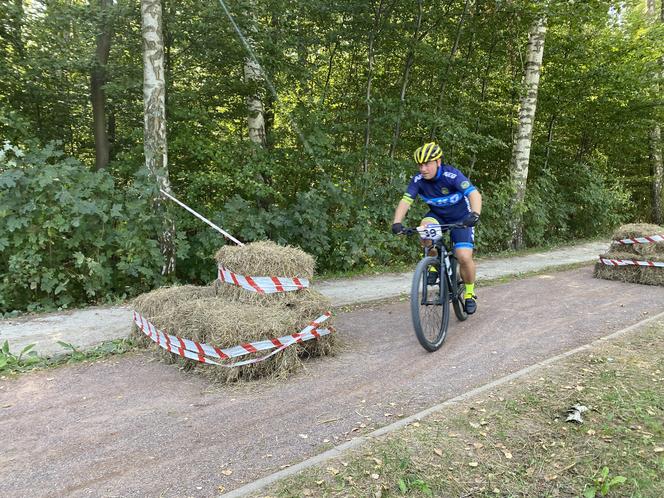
(430, 232)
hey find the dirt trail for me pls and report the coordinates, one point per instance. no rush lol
(137, 427)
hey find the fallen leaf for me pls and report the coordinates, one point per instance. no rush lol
(473, 464)
(474, 425)
(507, 454)
(478, 446)
(375, 476)
(438, 452)
(303, 436)
(658, 449)
(590, 432)
(320, 483)
(227, 472)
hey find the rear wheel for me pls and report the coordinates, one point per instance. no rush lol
(429, 305)
(457, 299)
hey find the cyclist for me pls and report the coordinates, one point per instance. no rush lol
(451, 199)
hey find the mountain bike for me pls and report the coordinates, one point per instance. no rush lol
(430, 303)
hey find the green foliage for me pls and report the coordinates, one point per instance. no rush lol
(602, 484)
(414, 483)
(9, 362)
(67, 235)
(28, 359)
(452, 72)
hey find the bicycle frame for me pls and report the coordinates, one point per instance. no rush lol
(444, 256)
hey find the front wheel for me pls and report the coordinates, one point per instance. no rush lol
(458, 302)
(429, 305)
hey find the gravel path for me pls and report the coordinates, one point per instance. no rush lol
(132, 426)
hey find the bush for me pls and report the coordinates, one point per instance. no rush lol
(68, 236)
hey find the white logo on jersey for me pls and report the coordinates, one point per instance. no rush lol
(417, 178)
(450, 175)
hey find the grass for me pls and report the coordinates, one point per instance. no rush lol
(28, 360)
(515, 442)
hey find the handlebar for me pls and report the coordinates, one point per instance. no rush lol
(445, 228)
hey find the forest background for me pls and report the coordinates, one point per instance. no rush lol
(344, 92)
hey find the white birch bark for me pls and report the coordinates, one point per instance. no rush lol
(657, 174)
(154, 130)
(253, 74)
(524, 134)
(655, 136)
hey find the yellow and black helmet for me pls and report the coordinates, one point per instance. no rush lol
(428, 152)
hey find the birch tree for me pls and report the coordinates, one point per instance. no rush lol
(154, 131)
(656, 167)
(522, 142)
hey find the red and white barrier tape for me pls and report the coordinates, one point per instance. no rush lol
(630, 262)
(642, 240)
(198, 351)
(263, 285)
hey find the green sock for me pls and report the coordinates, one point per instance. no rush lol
(470, 291)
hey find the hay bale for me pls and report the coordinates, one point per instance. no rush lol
(152, 304)
(224, 324)
(647, 251)
(199, 314)
(266, 259)
(634, 274)
(225, 315)
(632, 230)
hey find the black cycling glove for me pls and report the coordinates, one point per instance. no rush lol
(471, 219)
(397, 228)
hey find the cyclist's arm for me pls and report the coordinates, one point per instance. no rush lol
(475, 200)
(400, 212)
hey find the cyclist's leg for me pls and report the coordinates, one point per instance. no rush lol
(429, 218)
(463, 240)
(432, 276)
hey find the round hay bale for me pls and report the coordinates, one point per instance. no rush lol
(266, 259)
(634, 274)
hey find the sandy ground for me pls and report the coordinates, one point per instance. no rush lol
(136, 427)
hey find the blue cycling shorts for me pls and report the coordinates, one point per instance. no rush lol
(462, 238)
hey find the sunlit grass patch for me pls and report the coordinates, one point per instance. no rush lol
(515, 441)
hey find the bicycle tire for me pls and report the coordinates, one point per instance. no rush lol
(459, 290)
(430, 320)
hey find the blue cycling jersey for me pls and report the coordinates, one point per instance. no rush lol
(446, 193)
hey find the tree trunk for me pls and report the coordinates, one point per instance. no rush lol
(154, 104)
(453, 51)
(253, 74)
(657, 174)
(410, 58)
(523, 139)
(373, 34)
(98, 78)
(656, 167)
(329, 74)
